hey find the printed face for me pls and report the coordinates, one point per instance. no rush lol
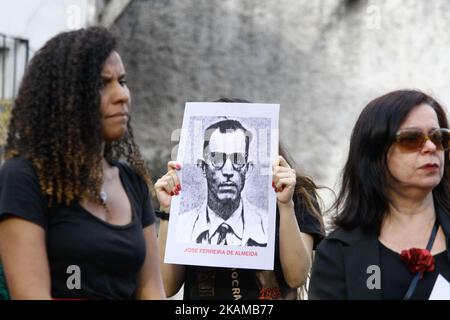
(226, 166)
(422, 168)
(115, 99)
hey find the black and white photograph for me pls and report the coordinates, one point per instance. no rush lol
(226, 158)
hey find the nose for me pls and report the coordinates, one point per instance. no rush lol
(121, 94)
(227, 169)
(429, 146)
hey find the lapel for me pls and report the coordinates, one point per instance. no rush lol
(361, 252)
(255, 233)
(444, 220)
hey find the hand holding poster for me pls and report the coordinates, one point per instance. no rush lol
(225, 215)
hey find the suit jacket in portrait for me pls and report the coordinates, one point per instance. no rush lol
(191, 224)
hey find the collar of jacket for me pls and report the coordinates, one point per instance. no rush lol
(361, 253)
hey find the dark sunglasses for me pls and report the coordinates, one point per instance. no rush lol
(415, 139)
(218, 159)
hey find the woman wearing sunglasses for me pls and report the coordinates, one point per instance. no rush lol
(392, 224)
(298, 229)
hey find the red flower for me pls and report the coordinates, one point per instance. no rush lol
(418, 260)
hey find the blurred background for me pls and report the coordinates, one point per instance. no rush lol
(322, 60)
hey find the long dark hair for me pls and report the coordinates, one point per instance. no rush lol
(305, 187)
(56, 117)
(363, 199)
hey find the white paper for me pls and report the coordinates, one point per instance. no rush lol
(441, 289)
(188, 209)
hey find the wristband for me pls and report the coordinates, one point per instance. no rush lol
(162, 215)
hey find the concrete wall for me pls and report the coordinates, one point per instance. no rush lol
(322, 60)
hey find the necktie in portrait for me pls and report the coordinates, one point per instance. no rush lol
(220, 234)
(222, 231)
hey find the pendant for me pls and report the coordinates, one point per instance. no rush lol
(103, 196)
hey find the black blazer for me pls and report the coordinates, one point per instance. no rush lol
(340, 265)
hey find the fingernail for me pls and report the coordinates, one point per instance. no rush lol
(171, 194)
(179, 187)
(273, 184)
(178, 167)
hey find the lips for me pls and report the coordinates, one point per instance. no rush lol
(227, 186)
(430, 166)
(119, 114)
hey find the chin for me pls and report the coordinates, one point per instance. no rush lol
(430, 184)
(225, 199)
(114, 136)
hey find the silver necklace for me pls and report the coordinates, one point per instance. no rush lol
(103, 196)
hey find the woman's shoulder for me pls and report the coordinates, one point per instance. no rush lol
(346, 237)
(17, 166)
(334, 239)
(340, 234)
(20, 192)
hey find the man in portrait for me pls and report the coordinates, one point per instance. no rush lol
(226, 217)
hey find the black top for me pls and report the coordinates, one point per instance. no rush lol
(109, 257)
(396, 277)
(246, 284)
(347, 262)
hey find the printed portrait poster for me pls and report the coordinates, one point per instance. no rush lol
(225, 213)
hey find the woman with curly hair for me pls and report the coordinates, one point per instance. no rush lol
(75, 222)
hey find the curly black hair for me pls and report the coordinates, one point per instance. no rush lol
(56, 120)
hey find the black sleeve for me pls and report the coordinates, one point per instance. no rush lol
(148, 214)
(328, 274)
(20, 193)
(307, 222)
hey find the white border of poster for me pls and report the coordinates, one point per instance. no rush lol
(262, 121)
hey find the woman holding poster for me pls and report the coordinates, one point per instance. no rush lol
(298, 229)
